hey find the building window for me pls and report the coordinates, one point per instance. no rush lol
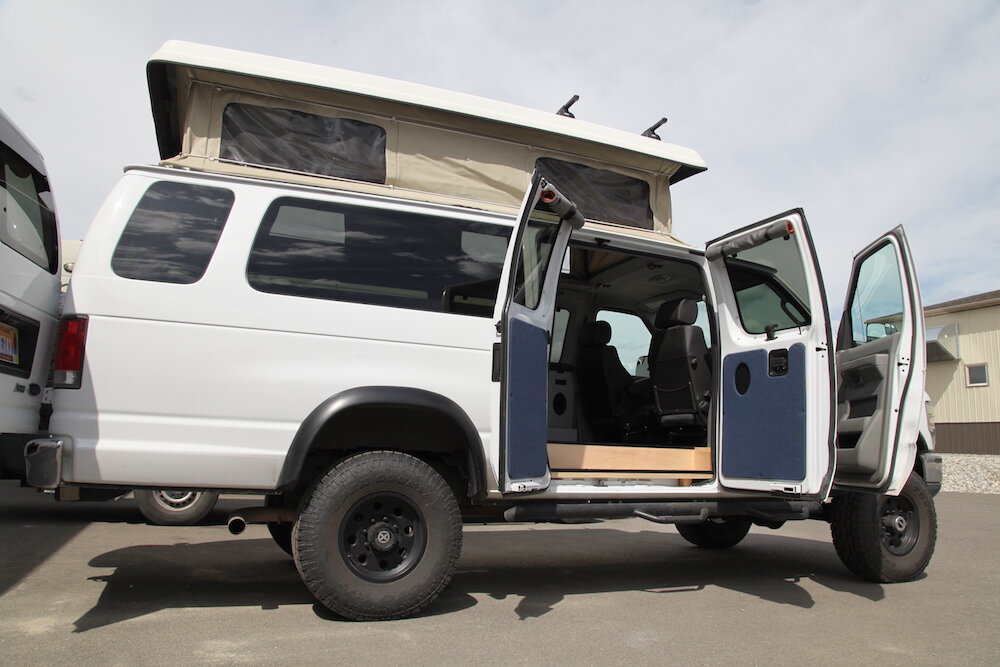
(976, 376)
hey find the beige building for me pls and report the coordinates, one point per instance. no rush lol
(963, 373)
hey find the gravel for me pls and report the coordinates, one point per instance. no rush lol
(971, 473)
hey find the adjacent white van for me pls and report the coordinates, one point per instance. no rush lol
(390, 309)
(29, 291)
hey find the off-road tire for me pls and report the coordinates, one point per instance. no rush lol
(378, 536)
(718, 534)
(174, 508)
(872, 545)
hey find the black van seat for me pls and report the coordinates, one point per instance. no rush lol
(603, 381)
(678, 364)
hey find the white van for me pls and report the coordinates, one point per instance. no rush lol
(391, 309)
(29, 292)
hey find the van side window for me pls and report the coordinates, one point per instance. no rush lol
(303, 142)
(339, 252)
(629, 336)
(172, 233)
(27, 223)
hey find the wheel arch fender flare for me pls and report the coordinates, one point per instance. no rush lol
(384, 397)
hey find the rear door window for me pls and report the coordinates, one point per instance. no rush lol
(172, 233)
(27, 222)
(771, 288)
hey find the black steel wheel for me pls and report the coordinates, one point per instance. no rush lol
(383, 537)
(715, 533)
(174, 508)
(886, 539)
(378, 536)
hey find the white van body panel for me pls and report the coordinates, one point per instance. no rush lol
(255, 365)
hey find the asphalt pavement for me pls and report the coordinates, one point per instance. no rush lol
(89, 583)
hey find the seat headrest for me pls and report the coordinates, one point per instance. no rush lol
(678, 311)
(595, 333)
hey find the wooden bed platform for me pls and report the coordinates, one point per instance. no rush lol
(572, 461)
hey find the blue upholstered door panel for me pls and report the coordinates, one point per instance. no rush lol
(764, 428)
(527, 393)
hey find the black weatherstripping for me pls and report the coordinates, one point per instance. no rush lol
(320, 425)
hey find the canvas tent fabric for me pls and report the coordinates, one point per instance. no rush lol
(438, 146)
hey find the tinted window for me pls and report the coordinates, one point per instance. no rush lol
(601, 194)
(27, 223)
(172, 233)
(304, 142)
(770, 285)
(339, 252)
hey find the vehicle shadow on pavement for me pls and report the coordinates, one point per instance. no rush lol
(540, 567)
(231, 573)
(34, 526)
(543, 567)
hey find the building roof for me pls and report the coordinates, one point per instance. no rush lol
(984, 300)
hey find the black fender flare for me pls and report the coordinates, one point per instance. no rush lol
(383, 397)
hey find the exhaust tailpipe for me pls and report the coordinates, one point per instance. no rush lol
(239, 519)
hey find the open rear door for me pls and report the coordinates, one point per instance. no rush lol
(774, 396)
(881, 361)
(521, 360)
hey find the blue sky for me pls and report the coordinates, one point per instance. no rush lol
(867, 114)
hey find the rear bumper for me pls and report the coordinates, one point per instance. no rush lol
(933, 469)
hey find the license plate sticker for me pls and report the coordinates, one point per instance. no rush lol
(8, 345)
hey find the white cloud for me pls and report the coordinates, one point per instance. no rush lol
(868, 114)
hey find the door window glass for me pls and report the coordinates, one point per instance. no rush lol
(27, 223)
(172, 234)
(770, 285)
(536, 251)
(629, 336)
(559, 324)
(876, 309)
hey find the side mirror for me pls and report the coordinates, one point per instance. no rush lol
(876, 330)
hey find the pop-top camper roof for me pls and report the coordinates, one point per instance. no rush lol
(241, 113)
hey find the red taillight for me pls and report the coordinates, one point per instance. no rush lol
(68, 370)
